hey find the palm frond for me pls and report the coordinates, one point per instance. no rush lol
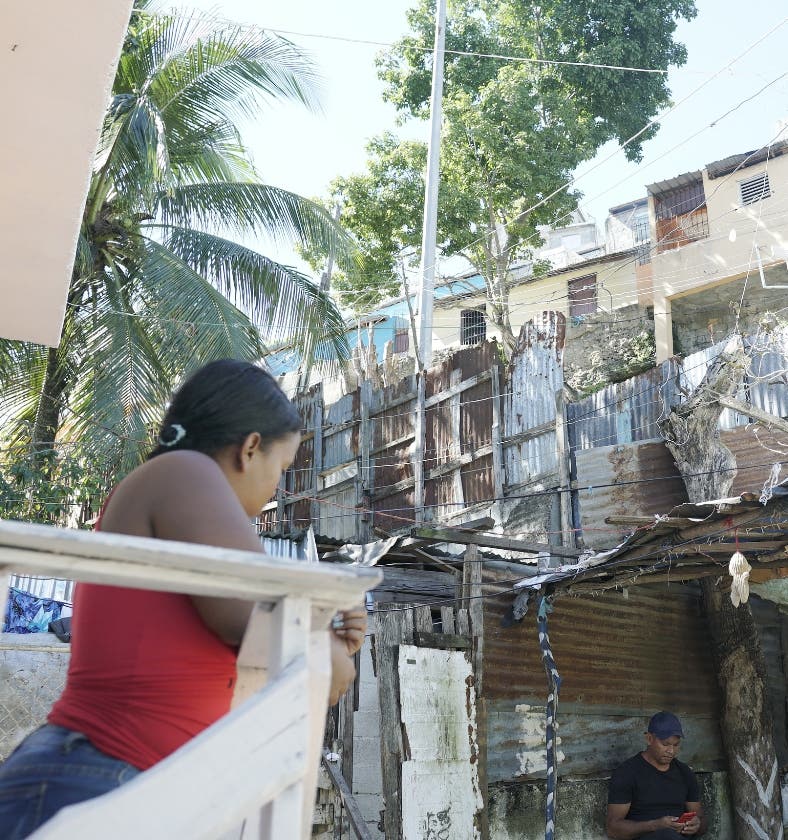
(252, 207)
(282, 300)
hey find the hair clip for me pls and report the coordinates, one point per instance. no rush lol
(180, 434)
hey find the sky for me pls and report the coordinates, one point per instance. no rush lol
(303, 152)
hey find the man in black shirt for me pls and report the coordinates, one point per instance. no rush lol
(650, 791)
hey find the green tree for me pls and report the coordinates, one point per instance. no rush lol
(513, 130)
(161, 282)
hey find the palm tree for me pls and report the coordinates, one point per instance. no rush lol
(160, 281)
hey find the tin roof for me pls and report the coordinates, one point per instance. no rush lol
(694, 540)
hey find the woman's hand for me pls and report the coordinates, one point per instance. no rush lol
(350, 627)
(343, 671)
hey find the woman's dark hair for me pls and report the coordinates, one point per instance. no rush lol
(223, 402)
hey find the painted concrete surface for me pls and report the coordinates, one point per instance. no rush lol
(516, 811)
(440, 780)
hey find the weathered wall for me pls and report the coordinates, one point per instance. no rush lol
(608, 347)
(727, 252)
(517, 811)
(32, 674)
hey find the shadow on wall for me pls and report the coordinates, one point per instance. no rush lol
(516, 810)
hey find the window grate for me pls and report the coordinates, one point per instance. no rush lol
(473, 326)
(754, 189)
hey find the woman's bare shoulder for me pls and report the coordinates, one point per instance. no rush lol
(169, 495)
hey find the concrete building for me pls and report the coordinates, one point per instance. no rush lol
(720, 239)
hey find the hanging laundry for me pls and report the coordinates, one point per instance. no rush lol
(26, 613)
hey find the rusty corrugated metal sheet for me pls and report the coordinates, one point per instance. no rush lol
(756, 449)
(608, 472)
(619, 660)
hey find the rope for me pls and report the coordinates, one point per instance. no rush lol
(554, 683)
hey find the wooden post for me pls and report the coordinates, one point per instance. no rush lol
(317, 457)
(563, 454)
(393, 627)
(364, 479)
(497, 448)
(418, 447)
(455, 409)
(692, 435)
(472, 577)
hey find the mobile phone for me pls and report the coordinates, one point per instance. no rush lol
(687, 816)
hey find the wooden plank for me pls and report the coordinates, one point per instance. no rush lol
(441, 641)
(170, 566)
(364, 484)
(451, 535)
(354, 815)
(499, 476)
(529, 434)
(465, 385)
(422, 620)
(447, 619)
(389, 631)
(456, 438)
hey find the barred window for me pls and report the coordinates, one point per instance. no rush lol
(473, 326)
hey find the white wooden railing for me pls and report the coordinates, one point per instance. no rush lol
(253, 774)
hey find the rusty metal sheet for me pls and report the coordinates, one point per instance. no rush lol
(534, 378)
(756, 449)
(618, 658)
(609, 473)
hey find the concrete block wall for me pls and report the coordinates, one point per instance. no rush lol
(367, 776)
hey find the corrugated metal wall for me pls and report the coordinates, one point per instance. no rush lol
(535, 377)
(620, 659)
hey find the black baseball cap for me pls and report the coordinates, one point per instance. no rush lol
(665, 725)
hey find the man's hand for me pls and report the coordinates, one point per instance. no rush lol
(667, 822)
(690, 828)
(350, 627)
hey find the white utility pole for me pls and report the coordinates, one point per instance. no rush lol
(429, 231)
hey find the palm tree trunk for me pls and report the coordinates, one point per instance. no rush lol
(50, 405)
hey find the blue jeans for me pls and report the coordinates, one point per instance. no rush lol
(52, 768)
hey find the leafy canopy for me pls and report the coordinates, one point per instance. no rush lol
(513, 130)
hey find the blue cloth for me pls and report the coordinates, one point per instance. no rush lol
(25, 613)
(52, 768)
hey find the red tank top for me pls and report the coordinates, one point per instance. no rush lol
(146, 675)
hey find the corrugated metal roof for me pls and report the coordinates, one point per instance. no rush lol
(685, 180)
(718, 168)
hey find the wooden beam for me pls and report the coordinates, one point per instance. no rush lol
(354, 815)
(450, 535)
(442, 641)
(465, 385)
(749, 410)
(499, 475)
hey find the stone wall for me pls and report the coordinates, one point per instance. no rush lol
(32, 675)
(608, 347)
(516, 811)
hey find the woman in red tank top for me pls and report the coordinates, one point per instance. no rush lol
(150, 670)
